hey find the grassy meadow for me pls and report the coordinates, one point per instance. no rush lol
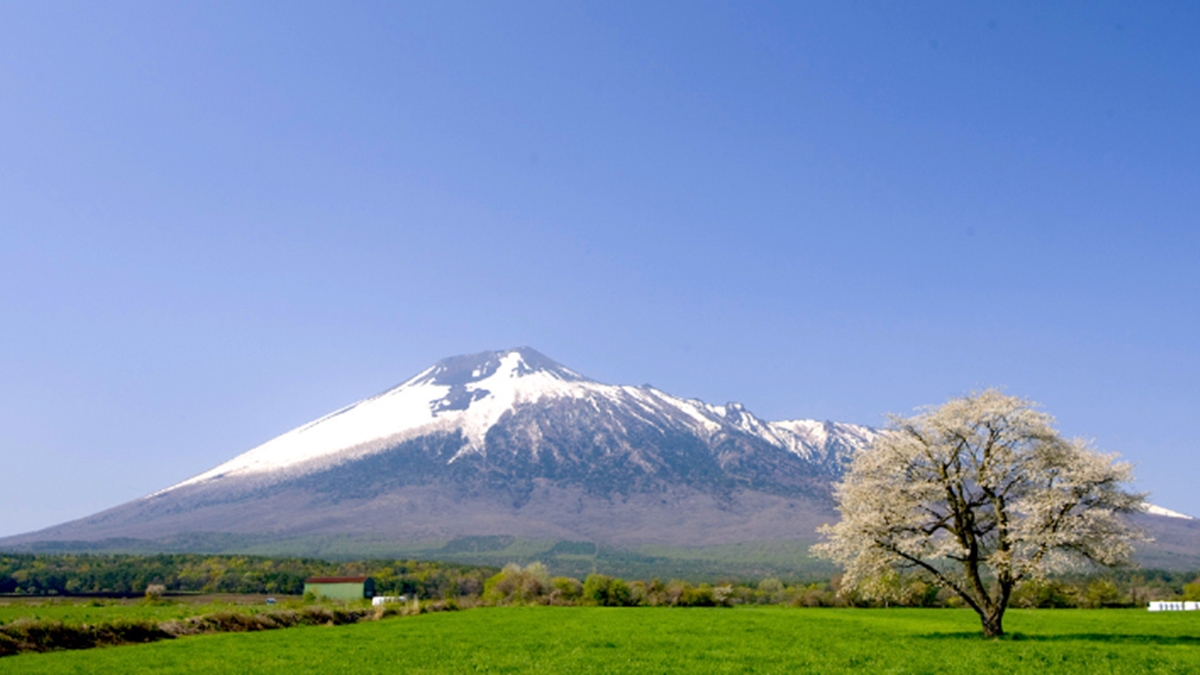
(674, 640)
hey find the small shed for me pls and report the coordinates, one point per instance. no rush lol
(341, 588)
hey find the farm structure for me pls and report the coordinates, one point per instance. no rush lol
(341, 588)
(1163, 606)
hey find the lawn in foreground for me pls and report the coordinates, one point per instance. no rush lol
(639, 640)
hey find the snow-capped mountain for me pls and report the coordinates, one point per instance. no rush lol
(512, 443)
(513, 396)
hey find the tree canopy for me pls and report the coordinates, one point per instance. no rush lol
(978, 495)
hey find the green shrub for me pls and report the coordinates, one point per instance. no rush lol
(566, 590)
(595, 589)
(698, 596)
(770, 592)
(517, 585)
(603, 590)
(1102, 593)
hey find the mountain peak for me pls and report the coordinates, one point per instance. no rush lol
(458, 371)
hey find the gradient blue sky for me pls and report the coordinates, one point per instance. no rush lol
(219, 221)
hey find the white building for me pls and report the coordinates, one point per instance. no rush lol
(1165, 606)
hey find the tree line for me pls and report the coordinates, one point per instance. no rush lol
(123, 574)
(83, 574)
(533, 585)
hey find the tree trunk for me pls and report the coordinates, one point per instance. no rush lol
(993, 623)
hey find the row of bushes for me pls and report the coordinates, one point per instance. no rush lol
(1084, 592)
(1101, 592)
(534, 585)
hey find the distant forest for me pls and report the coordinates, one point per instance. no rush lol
(84, 574)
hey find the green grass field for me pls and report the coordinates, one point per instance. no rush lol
(647, 640)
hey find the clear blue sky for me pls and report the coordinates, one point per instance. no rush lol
(219, 221)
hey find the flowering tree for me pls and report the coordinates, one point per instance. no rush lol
(976, 496)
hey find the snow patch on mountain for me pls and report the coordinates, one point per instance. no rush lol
(1160, 511)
